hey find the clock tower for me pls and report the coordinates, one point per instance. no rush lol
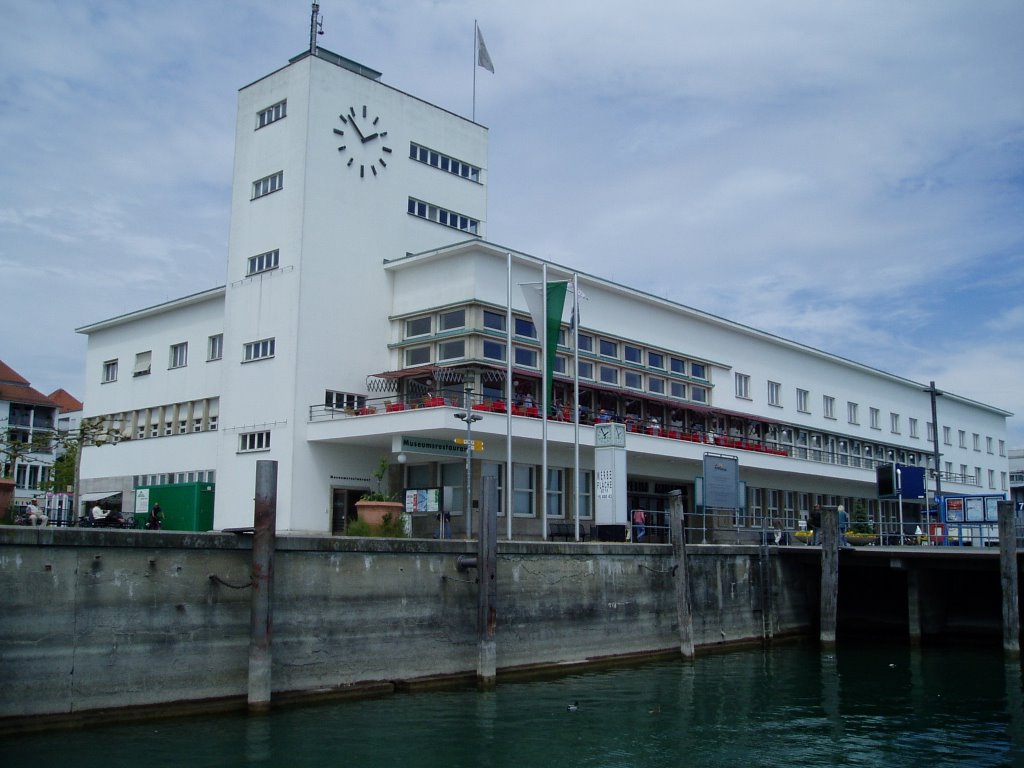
(335, 173)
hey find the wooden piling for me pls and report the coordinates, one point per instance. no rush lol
(1008, 577)
(260, 618)
(829, 576)
(487, 575)
(682, 581)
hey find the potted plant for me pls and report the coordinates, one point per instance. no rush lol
(375, 505)
(860, 532)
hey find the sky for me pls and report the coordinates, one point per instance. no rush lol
(848, 175)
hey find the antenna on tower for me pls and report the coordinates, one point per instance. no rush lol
(316, 27)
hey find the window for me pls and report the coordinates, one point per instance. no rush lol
(947, 436)
(677, 389)
(254, 441)
(632, 354)
(556, 493)
(803, 401)
(419, 326)
(526, 357)
(267, 184)
(912, 426)
(962, 436)
(258, 350)
(524, 327)
(828, 406)
(586, 370)
(607, 374)
(976, 438)
(109, 371)
(494, 350)
(608, 348)
(656, 360)
(698, 394)
(522, 490)
(698, 370)
(444, 162)
(450, 350)
(851, 413)
(215, 347)
(988, 445)
(494, 321)
(742, 386)
(262, 262)
(586, 484)
(452, 320)
(876, 418)
(677, 365)
(586, 342)
(656, 385)
(443, 216)
(894, 423)
(774, 393)
(143, 363)
(178, 356)
(343, 400)
(633, 380)
(417, 356)
(271, 114)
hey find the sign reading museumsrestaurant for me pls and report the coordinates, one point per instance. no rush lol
(432, 446)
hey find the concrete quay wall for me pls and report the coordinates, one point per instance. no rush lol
(92, 619)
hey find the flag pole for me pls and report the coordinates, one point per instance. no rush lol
(544, 404)
(476, 45)
(576, 398)
(508, 397)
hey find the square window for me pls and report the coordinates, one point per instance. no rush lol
(586, 370)
(586, 342)
(450, 350)
(609, 348)
(608, 375)
(494, 321)
(632, 354)
(526, 357)
(656, 360)
(698, 370)
(419, 326)
(494, 350)
(677, 365)
(417, 356)
(656, 385)
(633, 380)
(454, 319)
(524, 327)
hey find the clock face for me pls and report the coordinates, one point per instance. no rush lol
(364, 144)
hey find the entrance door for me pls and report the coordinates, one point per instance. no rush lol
(343, 507)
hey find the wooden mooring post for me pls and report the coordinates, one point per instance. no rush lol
(1008, 577)
(260, 619)
(682, 581)
(829, 576)
(487, 575)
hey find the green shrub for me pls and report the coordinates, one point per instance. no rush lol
(391, 527)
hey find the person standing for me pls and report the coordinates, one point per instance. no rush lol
(844, 526)
(155, 518)
(815, 522)
(639, 524)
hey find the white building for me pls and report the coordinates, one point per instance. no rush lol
(359, 285)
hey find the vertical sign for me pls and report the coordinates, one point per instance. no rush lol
(721, 481)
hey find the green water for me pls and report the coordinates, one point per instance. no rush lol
(789, 706)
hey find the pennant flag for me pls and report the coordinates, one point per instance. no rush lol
(483, 58)
(574, 319)
(552, 324)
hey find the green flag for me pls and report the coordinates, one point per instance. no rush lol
(551, 325)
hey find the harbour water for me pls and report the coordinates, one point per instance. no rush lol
(791, 705)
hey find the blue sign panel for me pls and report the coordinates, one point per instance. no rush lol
(900, 480)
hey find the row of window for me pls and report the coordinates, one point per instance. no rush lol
(178, 356)
(618, 371)
(172, 478)
(742, 391)
(254, 441)
(444, 162)
(443, 216)
(163, 420)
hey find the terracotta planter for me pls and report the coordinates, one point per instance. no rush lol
(373, 512)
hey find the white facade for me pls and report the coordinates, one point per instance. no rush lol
(348, 260)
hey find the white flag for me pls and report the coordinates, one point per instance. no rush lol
(483, 58)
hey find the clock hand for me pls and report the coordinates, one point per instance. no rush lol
(356, 127)
(367, 138)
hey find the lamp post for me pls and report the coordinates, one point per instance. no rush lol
(469, 417)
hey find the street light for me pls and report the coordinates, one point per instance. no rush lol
(469, 418)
